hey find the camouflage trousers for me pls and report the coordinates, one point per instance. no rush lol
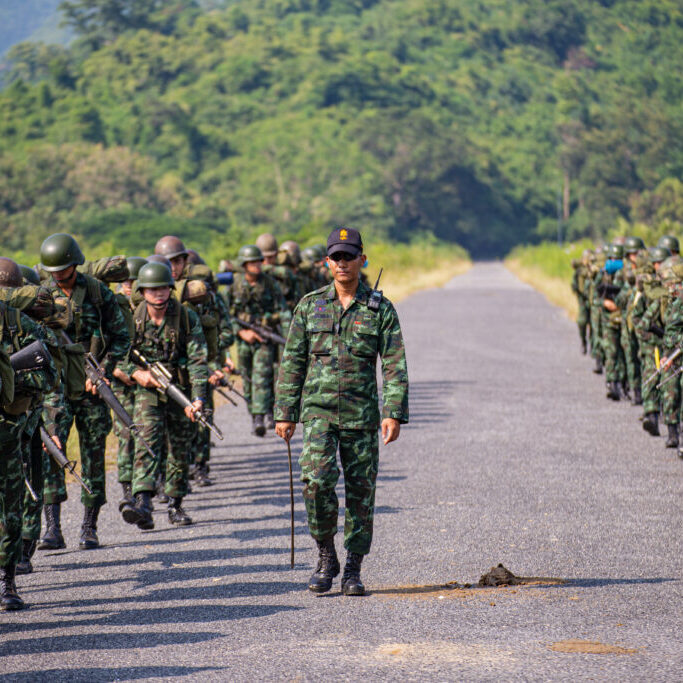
(359, 456)
(93, 422)
(161, 421)
(596, 332)
(11, 495)
(648, 366)
(256, 365)
(671, 395)
(126, 452)
(583, 317)
(615, 370)
(629, 345)
(32, 454)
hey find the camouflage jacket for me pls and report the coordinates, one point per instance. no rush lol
(650, 328)
(103, 332)
(290, 284)
(178, 343)
(328, 367)
(32, 382)
(261, 303)
(673, 325)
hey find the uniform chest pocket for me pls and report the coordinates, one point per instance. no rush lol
(365, 338)
(321, 332)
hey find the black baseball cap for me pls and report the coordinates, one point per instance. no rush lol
(344, 239)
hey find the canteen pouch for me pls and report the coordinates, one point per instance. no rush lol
(74, 370)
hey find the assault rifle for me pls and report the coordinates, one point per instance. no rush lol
(61, 459)
(606, 291)
(164, 379)
(657, 372)
(263, 332)
(95, 373)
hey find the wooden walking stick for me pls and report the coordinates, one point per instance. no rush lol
(291, 500)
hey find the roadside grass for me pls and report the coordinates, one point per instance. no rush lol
(548, 268)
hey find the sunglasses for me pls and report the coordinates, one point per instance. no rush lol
(343, 256)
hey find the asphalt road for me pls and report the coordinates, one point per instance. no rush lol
(512, 455)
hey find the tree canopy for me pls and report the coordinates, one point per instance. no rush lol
(467, 119)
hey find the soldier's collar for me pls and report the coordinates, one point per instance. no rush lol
(361, 293)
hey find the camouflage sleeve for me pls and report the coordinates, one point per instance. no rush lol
(115, 330)
(36, 380)
(575, 281)
(644, 325)
(394, 366)
(226, 338)
(292, 373)
(196, 354)
(54, 404)
(281, 314)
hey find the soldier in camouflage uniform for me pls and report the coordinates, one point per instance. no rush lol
(187, 266)
(650, 290)
(595, 302)
(124, 387)
(671, 243)
(580, 282)
(171, 334)
(256, 298)
(328, 381)
(657, 320)
(97, 326)
(290, 285)
(19, 392)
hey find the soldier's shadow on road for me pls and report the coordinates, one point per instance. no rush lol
(429, 401)
(122, 673)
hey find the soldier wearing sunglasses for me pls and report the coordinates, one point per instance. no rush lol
(327, 381)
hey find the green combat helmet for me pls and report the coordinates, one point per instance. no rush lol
(158, 258)
(249, 253)
(267, 244)
(633, 245)
(194, 259)
(320, 252)
(615, 251)
(670, 243)
(29, 275)
(59, 251)
(134, 264)
(659, 254)
(289, 254)
(155, 275)
(309, 255)
(170, 246)
(10, 274)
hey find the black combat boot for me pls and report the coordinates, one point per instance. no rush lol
(613, 391)
(89, 540)
(598, 366)
(52, 538)
(624, 390)
(9, 598)
(161, 493)
(270, 422)
(672, 441)
(351, 583)
(27, 550)
(327, 569)
(127, 489)
(141, 512)
(651, 424)
(584, 347)
(202, 476)
(637, 397)
(176, 514)
(258, 426)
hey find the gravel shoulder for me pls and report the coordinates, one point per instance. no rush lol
(512, 455)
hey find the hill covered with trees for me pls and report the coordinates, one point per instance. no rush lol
(471, 120)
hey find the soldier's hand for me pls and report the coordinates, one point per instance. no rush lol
(285, 430)
(123, 377)
(391, 428)
(249, 336)
(58, 443)
(215, 378)
(190, 411)
(144, 379)
(91, 388)
(610, 305)
(229, 366)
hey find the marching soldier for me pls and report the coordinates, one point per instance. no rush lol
(167, 332)
(97, 327)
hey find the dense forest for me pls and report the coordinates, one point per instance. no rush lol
(476, 121)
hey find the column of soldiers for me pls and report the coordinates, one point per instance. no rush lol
(134, 344)
(630, 320)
